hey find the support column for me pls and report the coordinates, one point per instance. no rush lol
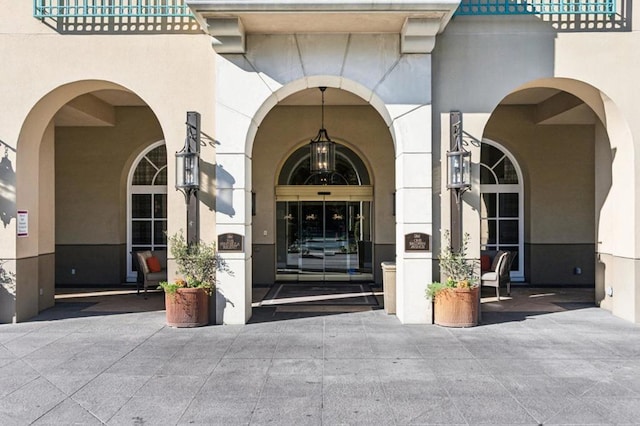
(413, 213)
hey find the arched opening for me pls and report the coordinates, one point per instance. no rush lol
(312, 227)
(75, 150)
(101, 216)
(567, 138)
(323, 230)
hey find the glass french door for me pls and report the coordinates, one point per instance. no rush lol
(324, 240)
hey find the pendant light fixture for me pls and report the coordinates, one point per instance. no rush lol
(323, 149)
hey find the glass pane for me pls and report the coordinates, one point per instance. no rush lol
(141, 206)
(506, 172)
(160, 233)
(160, 206)
(288, 245)
(312, 236)
(361, 216)
(339, 256)
(488, 205)
(516, 261)
(158, 156)
(509, 232)
(141, 232)
(300, 175)
(486, 176)
(161, 177)
(144, 173)
(490, 155)
(350, 170)
(508, 205)
(487, 232)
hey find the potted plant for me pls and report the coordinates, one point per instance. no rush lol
(187, 298)
(455, 301)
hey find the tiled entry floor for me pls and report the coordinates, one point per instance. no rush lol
(579, 366)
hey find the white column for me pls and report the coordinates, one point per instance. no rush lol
(240, 93)
(413, 213)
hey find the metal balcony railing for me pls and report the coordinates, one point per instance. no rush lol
(110, 9)
(176, 8)
(537, 7)
(173, 16)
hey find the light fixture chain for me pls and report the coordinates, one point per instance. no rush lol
(322, 89)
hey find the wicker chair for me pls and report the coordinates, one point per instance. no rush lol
(151, 278)
(500, 272)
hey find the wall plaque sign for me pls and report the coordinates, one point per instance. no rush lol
(22, 224)
(417, 241)
(230, 242)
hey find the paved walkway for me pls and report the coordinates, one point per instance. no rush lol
(80, 364)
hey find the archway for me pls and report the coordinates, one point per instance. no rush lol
(576, 151)
(74, 147)
(344, 230)
(401, 111)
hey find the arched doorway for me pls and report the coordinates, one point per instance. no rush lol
(502, 204)
(567, 137)
(147, 203)
(323, 222)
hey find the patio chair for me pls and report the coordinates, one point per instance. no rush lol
(153, 271)
(500, 272)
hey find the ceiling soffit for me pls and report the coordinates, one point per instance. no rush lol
(417, 22)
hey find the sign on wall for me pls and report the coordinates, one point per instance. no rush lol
(230, 242)
(417, 241)
(22, 223)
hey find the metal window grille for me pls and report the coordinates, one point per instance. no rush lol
(110, 8)
(537, 7)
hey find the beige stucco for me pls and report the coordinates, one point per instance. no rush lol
(557, 162)
(581, 64)
(172, 74)
(477, 62)
(90, 191)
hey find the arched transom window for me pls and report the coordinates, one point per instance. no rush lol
(501, 218)
(147, 203)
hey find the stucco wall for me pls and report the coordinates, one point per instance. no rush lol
(557, 162)
(42, 71)
(91, 202)
(89, 189)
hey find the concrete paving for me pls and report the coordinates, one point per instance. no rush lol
(554, 360)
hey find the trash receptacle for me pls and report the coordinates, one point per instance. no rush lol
(389, 286)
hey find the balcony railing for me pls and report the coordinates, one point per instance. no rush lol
(173, 16)
(176, 8)
(110, 9)
(537, 7)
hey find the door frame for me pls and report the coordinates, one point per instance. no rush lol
(329, 193)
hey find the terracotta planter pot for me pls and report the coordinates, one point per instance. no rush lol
(188, 307)
(456, 307)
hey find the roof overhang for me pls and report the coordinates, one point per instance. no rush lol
(416, 21)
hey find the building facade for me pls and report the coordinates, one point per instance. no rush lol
(96, 97)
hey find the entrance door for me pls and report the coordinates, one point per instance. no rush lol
(324, 240)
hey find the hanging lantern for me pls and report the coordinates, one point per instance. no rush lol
(323, 149)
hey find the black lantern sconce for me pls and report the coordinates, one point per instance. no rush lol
(188, 175)
(458, 177)
(323, 149)
(188, 159)
(458, 159)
